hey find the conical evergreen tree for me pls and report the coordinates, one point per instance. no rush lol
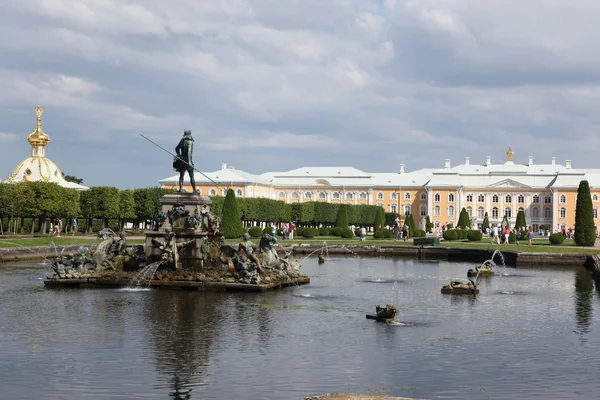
(521, 222)
(585, 234)
(505, 223)
(464, 221)
(410, 221)
(379, 222)
(486, 223)
(231, 224)
(341, 220)
(428, 225)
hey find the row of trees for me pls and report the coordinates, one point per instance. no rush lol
(42, 202)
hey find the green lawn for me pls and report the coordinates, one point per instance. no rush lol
(540, 245)
(59, 241)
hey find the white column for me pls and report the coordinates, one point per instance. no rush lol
(554, 210)
(370, 197)
(430, 203)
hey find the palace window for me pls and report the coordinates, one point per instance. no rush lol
(495, 198)
(224, 192)
(436, 211)
(547, 200)
(595, 213)
(470, 211)
(238, 193)
(494, 212)
(547, 212)
(336, 195)
(595, 197)
(521, 199)
(393, 208)
(480, 212)
(508, 212)
(322, 195)
(212, 192)
(423, 196)
(349, 196)
(451, 211)
(394, 196)
(362, 196)
(451, 197)
(423, 210)
(563, 212)
(535, 212)
(508, 199)
(407, 196)
(469, 198)
(281, 195)
(379, 196)
(563, 199)
(380, 205)
(536, 199)
(436, 197)
(295, 195)
(481, 198)
(308, 195)
(406, 209)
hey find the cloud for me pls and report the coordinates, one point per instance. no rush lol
(7, 137)
(370, 84)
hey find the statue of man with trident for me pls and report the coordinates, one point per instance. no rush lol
(183, 162)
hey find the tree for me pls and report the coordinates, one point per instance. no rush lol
(428, 225)
(410, 221)
(585, 234)
(341, 221)
(379, 221)
(505, 222)
(72, 178)
(521, 222)
(486, 223)
(464, 221)
(126, 207)
(231, 223)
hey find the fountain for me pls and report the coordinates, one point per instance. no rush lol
(383, 314)
(188, 251)
(487, 267)
(460, 287)
(325, 250)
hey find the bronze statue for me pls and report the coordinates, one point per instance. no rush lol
(246, 247)
(195, 220)
(183, 162)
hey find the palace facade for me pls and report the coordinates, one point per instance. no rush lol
(545, 192)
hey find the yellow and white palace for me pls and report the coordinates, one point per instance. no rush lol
(546, 192)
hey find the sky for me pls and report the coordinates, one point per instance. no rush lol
(271, 85)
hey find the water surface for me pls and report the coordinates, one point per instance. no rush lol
(532, 334)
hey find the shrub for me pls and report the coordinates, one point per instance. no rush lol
(324, 231)
(450, 234)
(523, 235)
(299, 231)
(556, 238)
(342, 217)
(379, 221)
(512, 238)
(418, 233)
(474, 235)
(337, 231)
(382, 234)
(346, 233)
(309, 233)
(255, 231)
(357, 231)
(268, 229)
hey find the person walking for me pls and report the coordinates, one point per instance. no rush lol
(495, 235)
(363, 233)
(396, 232)
(291, 229)
(74, 226)
(506, 235)
(529, 236)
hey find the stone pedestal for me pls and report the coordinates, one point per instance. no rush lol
(189, 201)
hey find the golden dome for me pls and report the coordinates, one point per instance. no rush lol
(510, 154)
(38, 137)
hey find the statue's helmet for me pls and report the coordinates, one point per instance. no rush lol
(246, 236)
(187, 133)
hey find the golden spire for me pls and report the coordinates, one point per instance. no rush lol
(38, 139)
(509, 154)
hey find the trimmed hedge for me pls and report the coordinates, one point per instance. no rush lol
(383, 234)
(512, 238)
(255, 231)
(324, 231)
(418, 233)
(556, 238)
(337, 231)
(346, 233)
(310, 233)
(474, 235)
(450, 234)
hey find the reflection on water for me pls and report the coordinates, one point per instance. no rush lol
(531, 335)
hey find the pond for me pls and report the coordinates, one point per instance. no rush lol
(530, 334)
